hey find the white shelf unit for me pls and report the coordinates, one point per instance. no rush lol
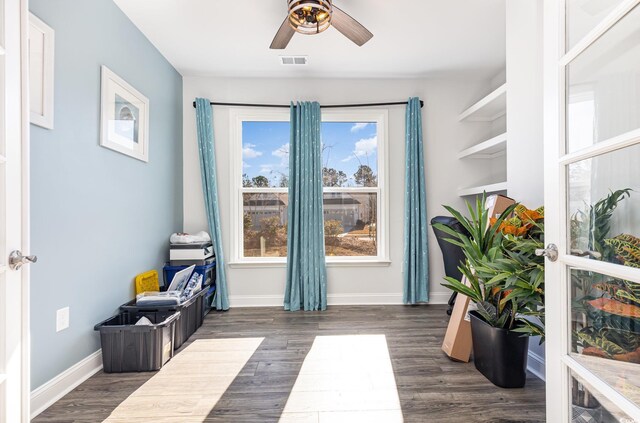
(489, 188)
(489, 149)
(489, 108)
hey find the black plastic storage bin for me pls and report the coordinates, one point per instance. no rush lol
(144, 348)
(208, 299)
(191, 315)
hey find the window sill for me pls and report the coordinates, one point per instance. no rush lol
(283, 264)
(256, 264)
(359, 263)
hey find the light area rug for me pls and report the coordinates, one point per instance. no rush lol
(175, 393)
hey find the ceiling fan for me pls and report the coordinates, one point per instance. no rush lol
(314, 16)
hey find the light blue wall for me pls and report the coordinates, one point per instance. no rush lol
(98, 217)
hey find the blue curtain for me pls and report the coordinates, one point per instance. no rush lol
(416, 260)
(306, 271)
(204, 122)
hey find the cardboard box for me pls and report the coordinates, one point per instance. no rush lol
(497, 203)
(457, 340)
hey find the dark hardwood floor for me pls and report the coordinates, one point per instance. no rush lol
(431, 388)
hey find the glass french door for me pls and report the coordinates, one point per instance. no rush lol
(592, 199)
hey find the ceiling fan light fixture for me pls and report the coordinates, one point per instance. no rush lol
(310, 16)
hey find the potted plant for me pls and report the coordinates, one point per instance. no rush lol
(505, 281)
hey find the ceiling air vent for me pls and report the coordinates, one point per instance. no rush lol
(294, 60)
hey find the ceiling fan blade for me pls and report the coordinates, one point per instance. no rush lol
(349, 27)
(283, 36)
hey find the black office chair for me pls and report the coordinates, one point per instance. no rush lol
(452, 254)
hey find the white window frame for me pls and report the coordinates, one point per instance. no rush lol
(239, 115)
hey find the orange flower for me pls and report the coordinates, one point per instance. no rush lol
(509, 230)
(530, 215)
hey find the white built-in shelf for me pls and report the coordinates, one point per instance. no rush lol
(489, 108)
(499, 186)
(489, 149)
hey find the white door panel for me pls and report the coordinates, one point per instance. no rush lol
(592, 154)
(14, 386)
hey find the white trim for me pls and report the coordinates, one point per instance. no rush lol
(48, 393)
(356, 262)
(364, 299)
(592, 36)
(612, 144)
(48, 56)
(610, 269)
(334, 299)
(535, 364)
(556, 375)
(282, 262)
(439, 297)
(25, 19)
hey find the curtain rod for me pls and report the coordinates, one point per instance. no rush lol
(328, 106)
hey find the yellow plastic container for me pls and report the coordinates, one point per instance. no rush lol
(147, 281)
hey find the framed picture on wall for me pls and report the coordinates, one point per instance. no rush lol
(124, 125)
(41, 54)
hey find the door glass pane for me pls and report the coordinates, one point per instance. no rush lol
(350, 227)
(603, 86)
(589, 406)
(605, 329)
(604, 200)
(584, 15)
(265, 224)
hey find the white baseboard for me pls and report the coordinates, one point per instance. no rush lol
(535, 364)
(333, 299)
(45, 395)
(439, 297)
(364, 299)
(255, 300)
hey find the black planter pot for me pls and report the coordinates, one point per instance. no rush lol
(500, 355)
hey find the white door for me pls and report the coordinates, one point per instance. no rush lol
(592, 199)
(14, 364)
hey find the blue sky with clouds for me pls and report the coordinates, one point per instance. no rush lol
(346, 145)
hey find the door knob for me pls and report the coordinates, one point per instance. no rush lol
(16, 260)
(551, 252)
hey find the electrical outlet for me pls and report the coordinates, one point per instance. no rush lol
(62, 319)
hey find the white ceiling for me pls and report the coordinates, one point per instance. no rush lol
(412, 38)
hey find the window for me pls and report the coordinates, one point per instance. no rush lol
(354, 165)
